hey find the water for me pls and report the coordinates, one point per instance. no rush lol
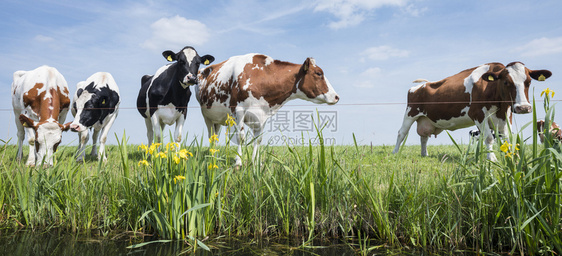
(55, 243)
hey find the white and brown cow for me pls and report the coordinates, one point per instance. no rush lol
(485, 95)
(163, 97)
(555, 131)
(95, 106)
(252, 87)
(40, 100)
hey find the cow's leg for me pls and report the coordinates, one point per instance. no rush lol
(95, 136)
(425, 129)
(406, 124)
(83, 137)
(103, 138)
(21, 136)
(179, 127)
(257, 141)
(157, 128)
(31, 141)
(240, 114)
(488, 138)
(149, 130)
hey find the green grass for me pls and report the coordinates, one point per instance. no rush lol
(453, 200)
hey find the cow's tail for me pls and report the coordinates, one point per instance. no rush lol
(417, 81)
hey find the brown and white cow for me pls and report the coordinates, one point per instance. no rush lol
(40, 100)
(485, 95)
(252, 87)
(555, 131)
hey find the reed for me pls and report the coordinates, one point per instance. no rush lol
(454, 200)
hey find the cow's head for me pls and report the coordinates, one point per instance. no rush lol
(48, 136)
(312, 82)
(513, 84)
(92, 105)
(188, 62)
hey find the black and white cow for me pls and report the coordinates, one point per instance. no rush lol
(163, 97)
(95, 107)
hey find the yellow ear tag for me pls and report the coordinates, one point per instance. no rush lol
(206, 62)
(542, 77)
(24, 124)
(103, 102)
(490, 78)
(169, 58)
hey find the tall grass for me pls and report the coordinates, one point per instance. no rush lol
(453, 200)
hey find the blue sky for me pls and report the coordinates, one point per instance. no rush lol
(370, 50)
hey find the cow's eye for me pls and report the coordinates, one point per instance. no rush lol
(318, 73)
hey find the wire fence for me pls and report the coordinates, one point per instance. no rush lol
(308, 105)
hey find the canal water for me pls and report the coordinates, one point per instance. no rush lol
(54, 243)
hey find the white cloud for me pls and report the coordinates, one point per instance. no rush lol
(385, 52)
(43, 39)
(176, 32)
(541, 46)
(352, 12)
(370, 78)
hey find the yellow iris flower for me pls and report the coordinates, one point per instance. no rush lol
(143, 162)
(213, 151)
(212, 166)
(230, 121)
(178, 178)
(547, 91)
(505, 147)
(214, 138)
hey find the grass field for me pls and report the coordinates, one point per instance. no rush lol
(453, 200)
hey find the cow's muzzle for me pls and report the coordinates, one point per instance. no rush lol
(523, 109)
(75, 127)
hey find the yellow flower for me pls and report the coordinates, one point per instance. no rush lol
(172, 146)
(509, 154)
(213, 151)
(143, 162)
(505, 147)
(176, 159)
(161, 155)
(517, 146)
(143, 147)
(230, 121)
(153, 147)
(212, 166)
(178, 178)
(214, 138)
(548, 91)
(184, 154)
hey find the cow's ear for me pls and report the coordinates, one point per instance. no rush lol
(540, 75)
(26, 121)
(306, 65)
(490, 76)
(65, 127)
(169, 55)
(79, 92)
(207, 59)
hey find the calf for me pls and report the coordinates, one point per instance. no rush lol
(554, 131)
(485, 95)
(252, 87)
(163, 97)
(40, 101)
(95, 107)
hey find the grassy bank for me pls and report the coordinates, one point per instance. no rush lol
(453, 200)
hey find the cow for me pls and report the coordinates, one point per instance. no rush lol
(95, 106)
(484, 95)
(163, 97)
(554, 131)
(40, 99)
(252, 87)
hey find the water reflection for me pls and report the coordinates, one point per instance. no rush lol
(56, 243)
